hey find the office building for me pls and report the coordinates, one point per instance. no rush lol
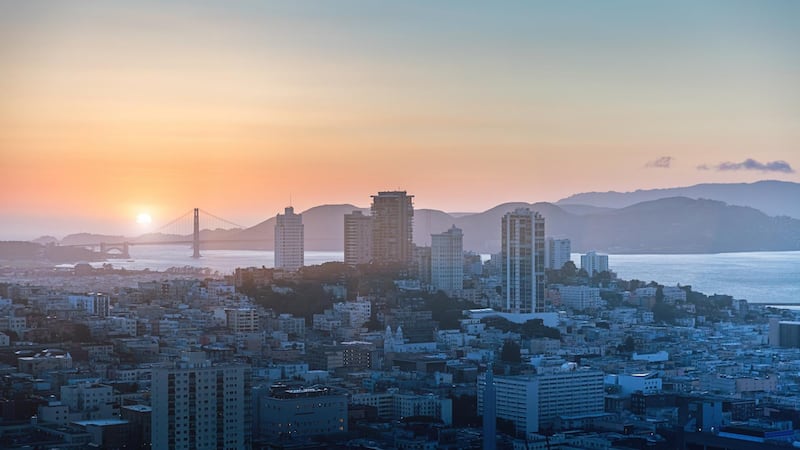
(283, 413)
(289, 240)
(447, 260)
(522, 260)
(534, 402)
(556, 253)
(357, 238)
(392, 227)
(594, 263)
(197, 405)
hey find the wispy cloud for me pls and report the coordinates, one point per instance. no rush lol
(663, 162)
(750, 164)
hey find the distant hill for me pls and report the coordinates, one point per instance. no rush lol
(775, 198)
(667, 225)
(670, 225)
(684, 225)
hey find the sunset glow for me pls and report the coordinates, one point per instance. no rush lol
(109, 106)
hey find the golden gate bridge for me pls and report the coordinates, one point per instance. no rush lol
(182, 230)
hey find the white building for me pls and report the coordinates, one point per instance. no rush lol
(357, 238)
(95, 304)
(289, 240)
(447, 260)
(88, 401)
(353, 314)
(522, 261)
(580, 297)
(593, 263)
(200, 406)
(394, 405)
(242, 320)
(533, 402)
(556, 253)
(648, 382)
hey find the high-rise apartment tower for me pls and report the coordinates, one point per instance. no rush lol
(289, 237)
(197, 405)
(392, 227)
(522, 261)
(447, 260)
(357, 238)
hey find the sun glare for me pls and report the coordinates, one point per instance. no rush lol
(144, 219)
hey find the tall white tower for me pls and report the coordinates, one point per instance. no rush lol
(289, 240)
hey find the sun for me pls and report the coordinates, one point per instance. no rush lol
(144, 219)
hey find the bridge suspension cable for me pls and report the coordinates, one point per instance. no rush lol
(224, 221)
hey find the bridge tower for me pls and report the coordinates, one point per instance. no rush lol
(196, 234)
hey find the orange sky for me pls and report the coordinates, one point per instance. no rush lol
(111, 109)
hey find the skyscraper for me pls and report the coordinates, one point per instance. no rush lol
(357, 238)
(392, 227)
(447, 260)
(556, 253)
(289, 240)
(522, 260)
(197, 405)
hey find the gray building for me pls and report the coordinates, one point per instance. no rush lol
(197, 405)
(286, 413)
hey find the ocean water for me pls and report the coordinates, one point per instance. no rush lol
(758, 277)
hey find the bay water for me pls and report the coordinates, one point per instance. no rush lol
(758, 277)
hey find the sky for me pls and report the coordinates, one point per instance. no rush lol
(111, 110)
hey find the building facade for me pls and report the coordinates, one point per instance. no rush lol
(289, 240)
(357, 238)
(284, 413)
(392, 227)
(594, 263)
(556, 253)
(534, 402)
(197, 405)
(522, 261)
(447, 260)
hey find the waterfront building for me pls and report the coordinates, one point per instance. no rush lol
(556, 253)
(593, 263)
(289, 240)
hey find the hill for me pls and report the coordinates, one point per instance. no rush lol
(775, 198)
(667, 225)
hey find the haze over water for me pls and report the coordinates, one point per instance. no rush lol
(758, 277)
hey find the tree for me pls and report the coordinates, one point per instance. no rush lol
(510, 352)
(629, 345)
(569, 269)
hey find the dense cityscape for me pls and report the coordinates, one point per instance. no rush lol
(398, 347)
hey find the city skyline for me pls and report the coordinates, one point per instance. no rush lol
(120, 110)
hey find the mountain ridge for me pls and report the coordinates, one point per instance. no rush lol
(774, 197)
(666, 225)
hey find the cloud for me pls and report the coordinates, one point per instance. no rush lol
(751, 164)
(661, 163)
